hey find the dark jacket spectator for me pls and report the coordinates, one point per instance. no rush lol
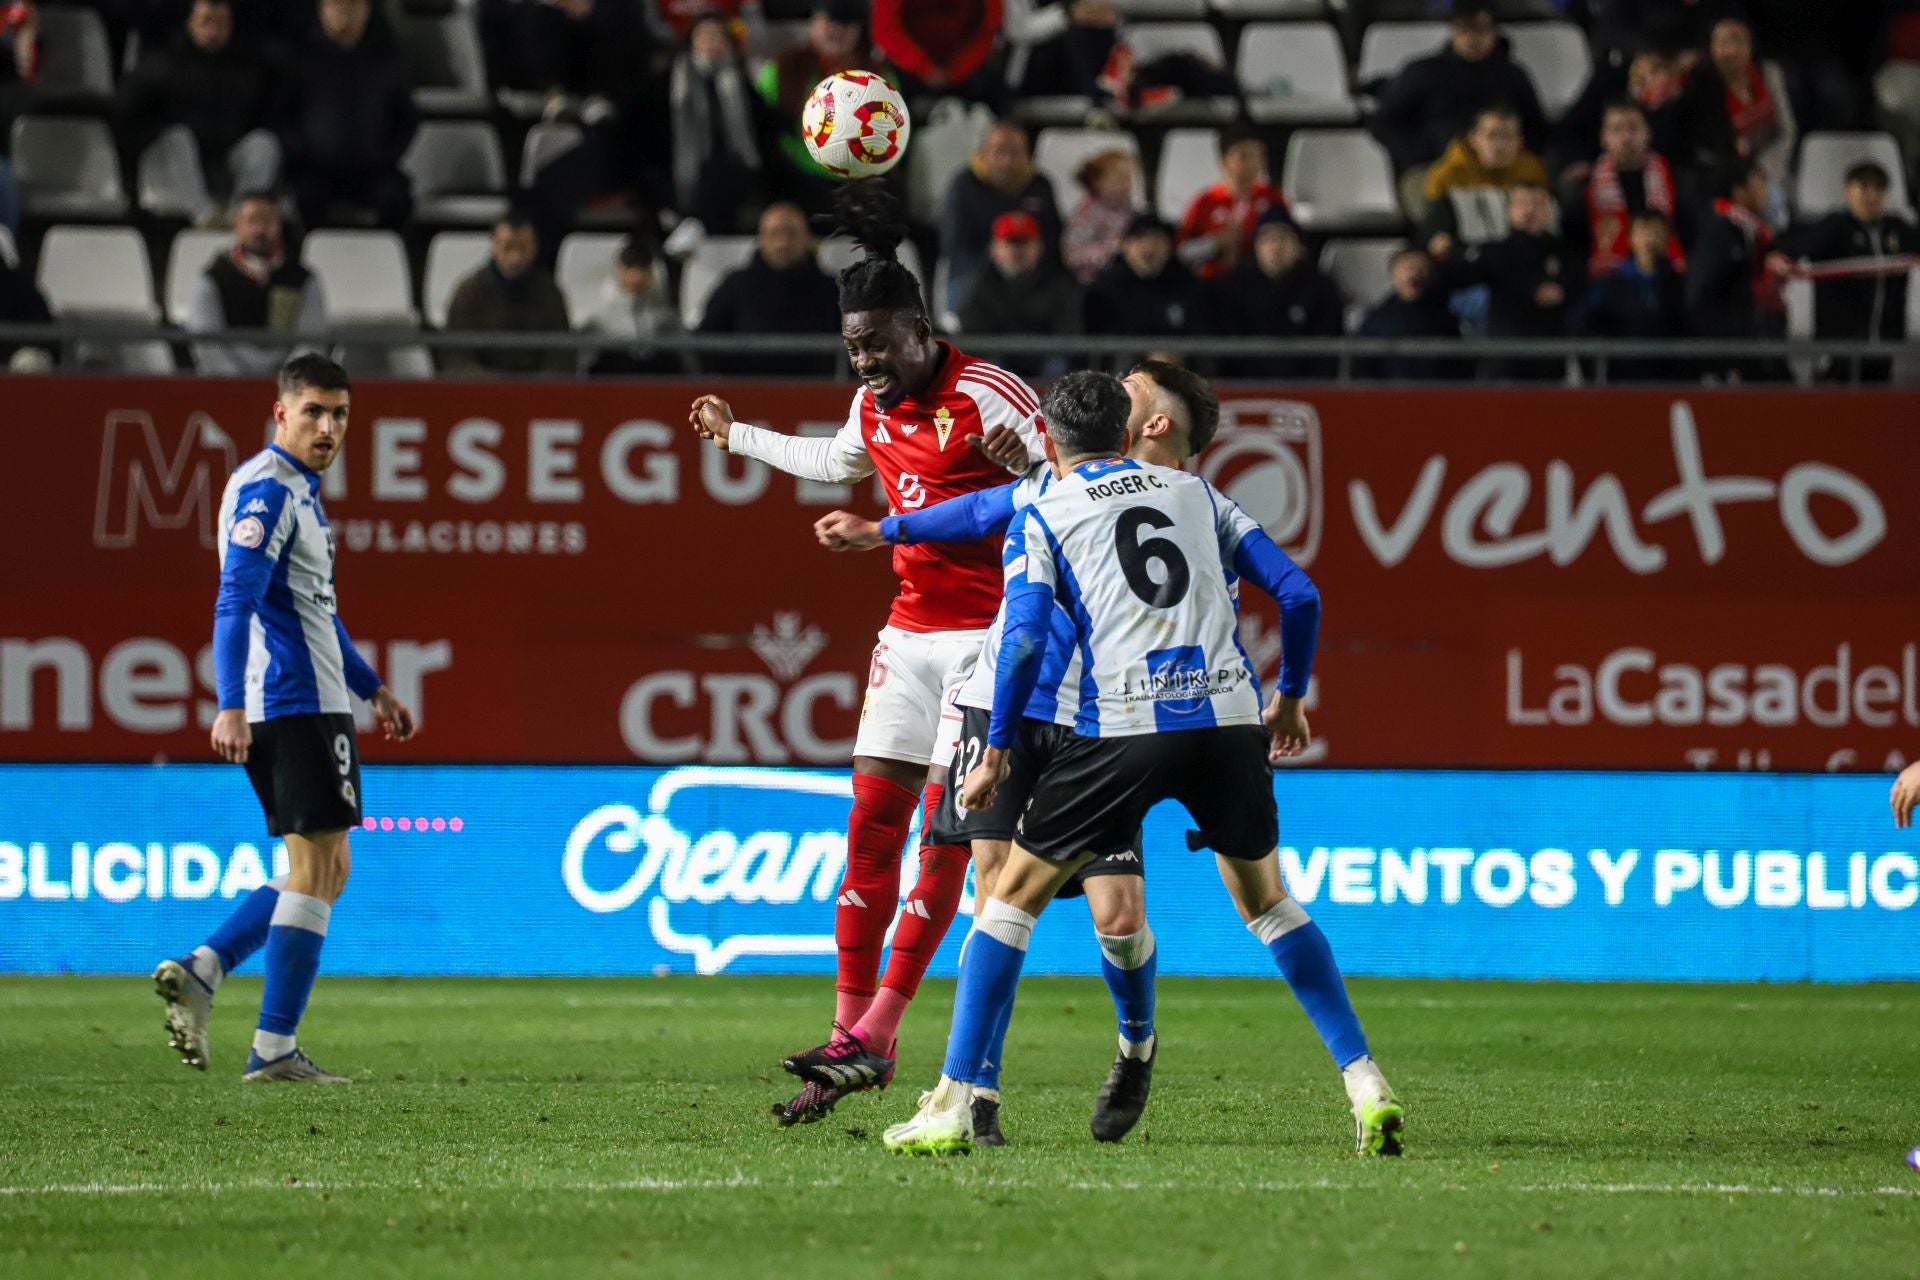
(347, 119)
(1022, 290)
(1145, 292)
(1628, 179)
(255, 284)
(19, 63)
(1655, 76)
(573, 48)
(835, 42)
(1731, 293)
(1415, 309)
(1641, 299)
(1058, 47)
(1099, 223)
(509, 294)
(942, 48)
(21, 301)
(1528, 276)
(716, 131)
(783, 290)
(1279, 293)
(215, 87)
(1869, 305)
(1735, 108)
(1435, 99)
(1001, 179)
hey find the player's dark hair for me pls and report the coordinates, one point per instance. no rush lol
(1195, 396)
(311, 370)
(866, 212)
(1087, 413)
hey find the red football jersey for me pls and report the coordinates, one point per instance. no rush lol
(1215, 208)
(919, 450)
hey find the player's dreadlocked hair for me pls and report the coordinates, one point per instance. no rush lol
(868, 213)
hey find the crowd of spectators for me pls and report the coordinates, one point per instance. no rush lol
(1654, 207)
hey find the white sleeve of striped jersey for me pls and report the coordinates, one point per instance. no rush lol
(1231, 523)
(1005, 401)
(834, 459)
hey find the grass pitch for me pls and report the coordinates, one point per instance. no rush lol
(571, 1128)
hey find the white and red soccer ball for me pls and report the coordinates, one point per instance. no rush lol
(855, 124)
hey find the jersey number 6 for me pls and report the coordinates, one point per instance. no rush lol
(1138, 550)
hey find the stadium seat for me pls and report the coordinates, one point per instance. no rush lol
(1058, 151)
(1824, 161)
(1388, 46)
(1339, 179)
(1361, 268)
(445, 63)
(365, 277)
(1043, 109)
(1295, 73)
(458, 173)
(1161, 8)
(837, 253)
(451, 257)
(1244, 10)
(67, 168)
(945, 316)
(187, 258)
(1151, 40)
(546, 142)
(1798, 297)
(168, 180)
(1556, 55)
(941, 148)
(1189, 164)
(585, 265)
(771, 38)
(98, 273)
(705, 266)
(75, 63)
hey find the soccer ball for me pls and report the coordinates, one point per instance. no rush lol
(855, 125)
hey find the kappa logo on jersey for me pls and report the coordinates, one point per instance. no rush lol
(255, 508)
(249, 532)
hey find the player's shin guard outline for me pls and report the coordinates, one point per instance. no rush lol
(1305, 960)
(989, 976)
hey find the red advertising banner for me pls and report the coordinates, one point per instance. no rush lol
(1714, 579)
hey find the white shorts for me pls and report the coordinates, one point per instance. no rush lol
(909, 712)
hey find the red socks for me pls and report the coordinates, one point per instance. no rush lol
(929, 910)
(876, 829)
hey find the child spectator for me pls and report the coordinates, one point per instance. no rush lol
(1099, 222)
(1527, 276)
(1730, 291)
(636, 303)
(1216, 235)
(1414, 309)
(1871, 305)
(1627, 179)
(1279, 293)
(1467, 187)
(1641, 299)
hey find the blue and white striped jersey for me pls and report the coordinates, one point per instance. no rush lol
(279, 646)
(1141, 560)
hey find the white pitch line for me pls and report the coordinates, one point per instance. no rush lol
(741, 1181)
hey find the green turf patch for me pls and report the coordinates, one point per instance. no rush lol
(571, 1128)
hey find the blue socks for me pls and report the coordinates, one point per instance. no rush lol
(1306, 962)
(989, 974)
(297, 932)
(245, 931)
(988, 1076)
(1128, 962)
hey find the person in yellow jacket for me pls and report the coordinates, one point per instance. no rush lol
(1466, 188)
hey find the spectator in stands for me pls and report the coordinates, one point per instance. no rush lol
(254, 284)
(1216, 234)
(1527, 275)
(1279, 293)
(1099, 222)
(783, 290)
(1642, 298)
(210, 92)
(1628, 178)
(635, 303)
(1435, 99)
(1001, 179)
(19, 64)
(1870, 305)
(579, 56)
(1146, 292)
(510, 293)
(942, 49)
(1735, 108)
(1730, 291)
(1655, 76)
(347, 119)
(1416, 308)
(1467, 188)
(1022, 291)
(1057, 47)
(21, 302)
(9, 199)
(716, 131)
(835, 42)
(672, 20)
(1896, 85)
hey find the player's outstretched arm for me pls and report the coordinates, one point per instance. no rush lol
(1906, 795)
(967, 518)
(834, 459)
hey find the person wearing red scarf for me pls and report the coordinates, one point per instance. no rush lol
(941, 48)
(1731, 293)
(1628, 178)
(1736, 107)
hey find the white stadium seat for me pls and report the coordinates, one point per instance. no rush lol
(1152, 40)
(1556, 56)
(451, 258)
(457, 171)
(546, 142)
(365, 277)
(1295, 73)
(67, 168)
(445, 63)
(187, 259)
(97, 273)
(1161, 8)
(584, 266)
(1361, 268)
(1824, 161)
(75, 62)
(1388, 46)
(1189, 164)
(705, 267)
(941, 148)
(1339, 179)
(1245, 10)
(1058, 151)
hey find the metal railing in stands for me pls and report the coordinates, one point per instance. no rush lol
(1593, 358)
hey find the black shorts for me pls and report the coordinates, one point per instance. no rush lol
(1093, 793)
(306, 771)
(1001, 819)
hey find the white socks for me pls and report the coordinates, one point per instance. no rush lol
(302, 911)
(1364, 1082)
(1004, 923)
(1279, 920)
(1140, 1050)
(1129, 950)
(206, 967)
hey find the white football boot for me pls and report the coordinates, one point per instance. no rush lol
(189, 1006)
(1379, 1121)
(942, 1127)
